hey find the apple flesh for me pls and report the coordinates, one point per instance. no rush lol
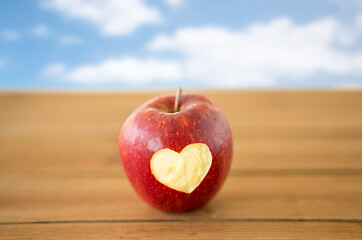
(182, 171)
(176, 160)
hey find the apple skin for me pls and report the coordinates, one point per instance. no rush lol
(153, 126)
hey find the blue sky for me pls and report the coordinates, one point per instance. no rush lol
(140, 44)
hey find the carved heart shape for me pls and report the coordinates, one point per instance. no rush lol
(182, 171)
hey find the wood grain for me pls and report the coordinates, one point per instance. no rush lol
(72, 197)
(186, 230)
(272, 130)
(296, 172)
(95, 155)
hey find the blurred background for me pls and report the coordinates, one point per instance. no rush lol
(144, 44)
(72, 71)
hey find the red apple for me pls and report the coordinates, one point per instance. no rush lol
(176, 160)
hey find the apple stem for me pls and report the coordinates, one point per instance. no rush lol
(177, 100)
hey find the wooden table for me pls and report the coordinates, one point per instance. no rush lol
(296, 171)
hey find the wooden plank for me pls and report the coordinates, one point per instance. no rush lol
(100, 155)
(257, 111)
(252, 107)
(271, 154)
(186, 230)
(296, 171)
(272, 130)
(43, 197)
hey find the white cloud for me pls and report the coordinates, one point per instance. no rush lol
(117, 70)
(10, 35)
(69, 40)
(40, 30)
(261, 53)
(258, 55)
(174, 3)
(112, 17)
